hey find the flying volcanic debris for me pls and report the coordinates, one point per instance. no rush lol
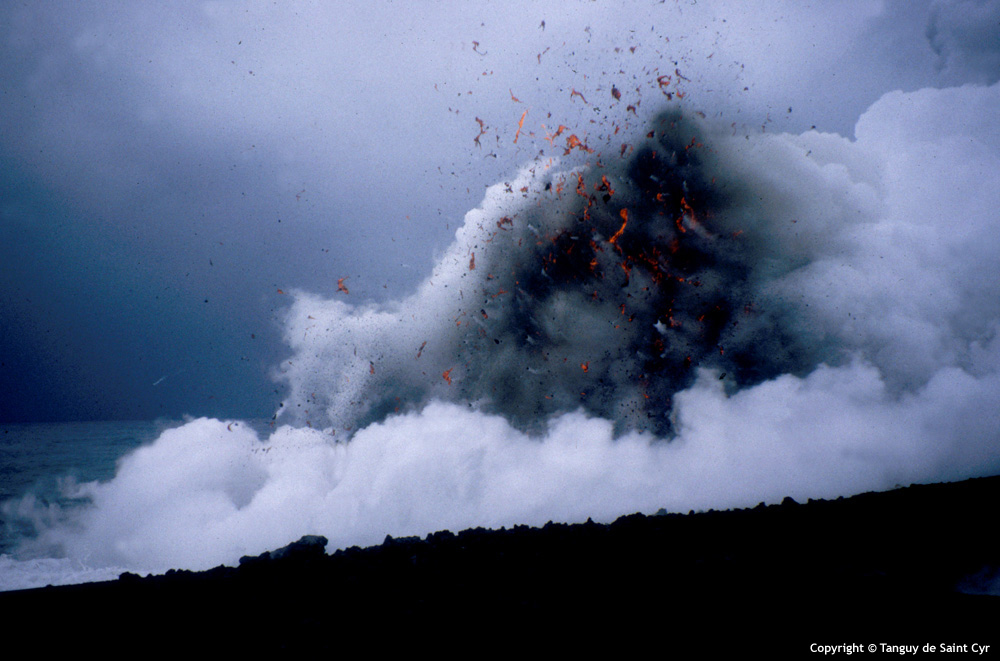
(715, 354)
(641, 287)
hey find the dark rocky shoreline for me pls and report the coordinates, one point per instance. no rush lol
(912, 565)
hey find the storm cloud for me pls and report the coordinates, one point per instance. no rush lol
(168, 170)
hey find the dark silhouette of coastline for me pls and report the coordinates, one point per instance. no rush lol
(914, 565)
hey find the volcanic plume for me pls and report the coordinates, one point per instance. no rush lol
(654, 267)
(717, 320)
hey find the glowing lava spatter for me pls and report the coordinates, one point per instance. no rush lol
(683, 291)
(609, 299)
(621, 230)
(520, 125)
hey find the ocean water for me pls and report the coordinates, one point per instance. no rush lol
(45, 460)
(42, 469)
(41, 464)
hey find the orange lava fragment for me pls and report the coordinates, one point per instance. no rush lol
(520, 125)
(617, 235)
(688, 213)
(482, 131)
(371, 367)
(280, 292)
(421, 349)
(553, 136)
(605, 185)
(472, 262)
(575, 93)
(573, 142)
(585, 367)
(340, 285)
(615, 93)
(512, 97)
(446, 375)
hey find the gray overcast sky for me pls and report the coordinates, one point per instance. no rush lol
(167, 170)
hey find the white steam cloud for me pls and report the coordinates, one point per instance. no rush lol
(856, 285)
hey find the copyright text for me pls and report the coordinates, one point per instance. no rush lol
(889, 648)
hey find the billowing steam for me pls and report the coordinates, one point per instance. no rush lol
(601, 288)
(712, 320)
(607, 288)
